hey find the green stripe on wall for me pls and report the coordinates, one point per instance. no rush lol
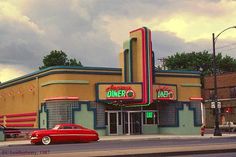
(191, 85)
(65, 82)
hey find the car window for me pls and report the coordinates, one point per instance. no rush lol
(67, 127)
(77, 127)
(56, 127)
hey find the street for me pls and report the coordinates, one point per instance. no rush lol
(141, 147)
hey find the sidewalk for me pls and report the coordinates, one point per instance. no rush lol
(132, 137)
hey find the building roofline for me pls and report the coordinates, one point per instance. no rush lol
(104, 69)
(178, 71)
(60, 67)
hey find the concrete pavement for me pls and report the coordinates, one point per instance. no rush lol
(131, 137)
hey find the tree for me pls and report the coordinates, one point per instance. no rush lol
(56, 58)
(200, 61)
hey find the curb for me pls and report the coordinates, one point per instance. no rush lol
(128, 138)
(178, 153)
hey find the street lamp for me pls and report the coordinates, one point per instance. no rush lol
(217, 131)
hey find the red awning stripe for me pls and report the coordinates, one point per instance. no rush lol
(1, 121)
(19, 125)
(21, 115)
(21, 120)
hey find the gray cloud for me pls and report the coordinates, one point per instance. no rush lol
(76, 27)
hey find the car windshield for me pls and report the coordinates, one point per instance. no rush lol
(56, 127)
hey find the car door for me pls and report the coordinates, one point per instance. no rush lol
(65, 134)
(78, 133)
(86, 135)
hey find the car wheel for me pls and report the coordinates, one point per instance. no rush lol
(46, 140)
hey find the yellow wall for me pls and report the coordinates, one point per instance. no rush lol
(184, 93)
(83, 91)
(19, 98)
(29, 101)
(137, 56)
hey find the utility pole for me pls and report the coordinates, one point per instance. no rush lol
(163, 63)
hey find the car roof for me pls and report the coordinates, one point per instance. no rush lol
(68, 124)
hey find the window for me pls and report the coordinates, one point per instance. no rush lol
(211, 94)
(106, 118)
(233, 92)
(119, 116)
(66, 127)
(150, 117)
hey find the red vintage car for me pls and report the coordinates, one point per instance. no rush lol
(63, 133)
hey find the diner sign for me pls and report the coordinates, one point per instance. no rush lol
(164, 92)
(119, 92)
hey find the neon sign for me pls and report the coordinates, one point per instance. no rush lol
(165, 93)
(120, 92)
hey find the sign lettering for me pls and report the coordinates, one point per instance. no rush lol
(120, 92)
(165, 93)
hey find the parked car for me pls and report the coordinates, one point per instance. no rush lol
(63, 133)
(10, 132)
(228, 126)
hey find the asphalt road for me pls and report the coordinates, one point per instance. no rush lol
(108, 146)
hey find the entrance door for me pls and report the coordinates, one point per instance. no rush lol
(113, 122)
(132, 123)
(135, 123)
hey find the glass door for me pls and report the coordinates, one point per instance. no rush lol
(135, 123)
(126, 122)
(132, 123)
(113, 123)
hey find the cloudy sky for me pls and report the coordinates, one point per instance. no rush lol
(93, 31)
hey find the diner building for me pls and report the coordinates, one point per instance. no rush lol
(133, 99)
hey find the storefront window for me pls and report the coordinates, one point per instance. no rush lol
(211, 94)
(119, 116)
(233, 92)
(150, 117)
(106, 118)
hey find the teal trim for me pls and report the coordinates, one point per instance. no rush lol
(153, 67)
(128, 60)
(172, 75)
(186, 123)
(131, 58)
(89, 108)
(178, 71)
(177, 116)
(191, 85)
(2, 135)
(150, 129)
(43, 108)
(194, 115)
(125, 66)
(65, 82)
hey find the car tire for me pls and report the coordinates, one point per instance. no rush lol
(46, 140)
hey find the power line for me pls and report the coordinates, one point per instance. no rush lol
(223, 47)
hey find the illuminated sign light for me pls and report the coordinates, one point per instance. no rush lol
(120, 92)
(149, 114)
(165, 93)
